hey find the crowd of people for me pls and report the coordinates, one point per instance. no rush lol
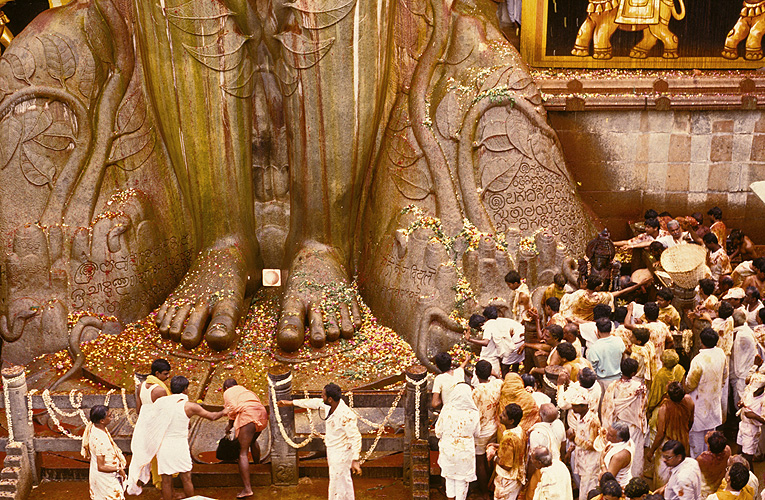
(614, 393)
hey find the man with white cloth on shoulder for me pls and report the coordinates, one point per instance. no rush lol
(343, 439)
(143, 449)
(685, 479)
(625, 400)
(744, 352)
(706, 377)
(549, 433)
(555, 480)
(457, 426)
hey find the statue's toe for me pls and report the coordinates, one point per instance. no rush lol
(221, 332)
(176, 325)
(316, 327)
(346, 324)
(193, 332)
(291, 332)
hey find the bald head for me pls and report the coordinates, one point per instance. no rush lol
(542, 455)
(571, 329)
(739, 317)
(548, 412)
(673, 224)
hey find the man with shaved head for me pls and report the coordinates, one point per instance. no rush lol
(550, 432)
(555, 480)
(744, 352)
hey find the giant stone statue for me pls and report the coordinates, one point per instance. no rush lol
(160, 154)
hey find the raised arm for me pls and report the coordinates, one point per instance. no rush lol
(196, 409)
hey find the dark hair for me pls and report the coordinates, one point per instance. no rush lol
(652, 222)
(528, 380)
(490, 312)
(587, 377)
(604, 478)
(553, 303)
(727, 280)
(443, 361)
(753, 290)
(483, 369)
(665, 214)
(642, 335)
(675, 447)
(513, 277)
(651, 214)
(612, 489)
(159, 365)
(737, 234)
(566, 351)
(707, 286)
(717, 442)
(620, 313)
(725, 310)
(761, 314)
(514, 413)
(651, 311)
(476, 321)
(709, 337)
(675, 392)
(98, 413)
(229, 383)
(555, 331)
(629, 367)
(657, 246)
(715, 212)
(636, 488)
(710, 238)
(559, 280)
(333, 392)
(622, 430)
(593, 282)
(601, 311)
(739, 476)
(665, 294)
(603, 325)
(654, 496)
(178, 384)
(759, 263)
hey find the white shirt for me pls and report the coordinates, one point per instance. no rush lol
(342, 432)
(751, 316)
(670, 242)
(508, 335)
(445, 382)
(554, 483)
(709, 367)
(549, 435)
(684, 482)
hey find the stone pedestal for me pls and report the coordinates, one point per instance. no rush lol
(284, 462)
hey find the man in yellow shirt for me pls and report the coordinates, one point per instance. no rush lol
(667, 312)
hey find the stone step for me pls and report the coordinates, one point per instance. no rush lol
(8, 485)
(12, 461)
(9, 473)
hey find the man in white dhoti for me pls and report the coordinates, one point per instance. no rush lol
(744, 352)
(625, 400)
(685, 479)
(750, 428)
(170, 432)
(555, 480)
(342, 439)
(583, 432)
(143, 450)
(619, 452)
(706, 377)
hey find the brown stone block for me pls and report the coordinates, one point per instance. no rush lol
(613, 203)
(758, 146)
(759, 125)
(564, 121)
(678, 175)
(682, 121)
(618, 226)
(716, 200)
(654, 200)
(722, 148)
(597, 177)
(643, 153)
(722, 126)
(679, 148)
(718, 177)
(675, 203)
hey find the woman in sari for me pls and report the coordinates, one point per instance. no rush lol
(456, 428)
(514, 391)
(107, 464)
(674, 419)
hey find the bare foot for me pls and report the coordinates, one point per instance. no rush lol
(319, 298)
(211, 293)
(244, 494)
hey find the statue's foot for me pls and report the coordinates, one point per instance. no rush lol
(580, 51)
(602, 54)
(730, 53)
(318, 300)
(208, 302)
(637, 53)
(670, 54)
(753, 55)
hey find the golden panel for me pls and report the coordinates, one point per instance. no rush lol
(656, 34)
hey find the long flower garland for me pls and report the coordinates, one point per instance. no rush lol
(272, 391)
(417, 385)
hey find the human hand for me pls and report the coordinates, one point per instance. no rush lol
(356, 468)
(283, 402)
(520, 349)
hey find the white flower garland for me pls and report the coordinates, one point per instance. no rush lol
(49, 406)
(124, 407)
(7, 401)
(272, 390)
(75, 399)
(417, 385)
(381, 427)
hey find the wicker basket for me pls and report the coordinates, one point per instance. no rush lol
(686, 264)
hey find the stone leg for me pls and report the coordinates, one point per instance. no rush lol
(205, 121)
(603, 33)
(584, 37)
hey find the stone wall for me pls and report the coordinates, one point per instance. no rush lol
(680, 161)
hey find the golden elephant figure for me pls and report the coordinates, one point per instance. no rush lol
(604, 17)
(750, 27)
